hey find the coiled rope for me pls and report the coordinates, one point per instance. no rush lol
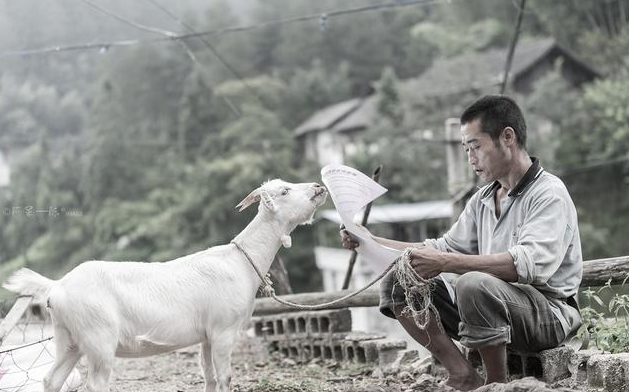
(417, 290)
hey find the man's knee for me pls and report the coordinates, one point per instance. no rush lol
(473, 282)
(476, 291)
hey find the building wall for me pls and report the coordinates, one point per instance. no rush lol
(329, 148)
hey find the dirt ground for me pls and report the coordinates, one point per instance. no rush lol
(179, 372)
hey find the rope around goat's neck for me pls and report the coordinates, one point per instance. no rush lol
(415, 288)
(268, 291)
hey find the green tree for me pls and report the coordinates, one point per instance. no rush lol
(313, 88)
(389, 103)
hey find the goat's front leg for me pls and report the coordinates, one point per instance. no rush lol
(222, 346)
(208, 367)
(100, 351)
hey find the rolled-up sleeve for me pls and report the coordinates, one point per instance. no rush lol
(543, 240)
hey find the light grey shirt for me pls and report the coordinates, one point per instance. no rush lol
(538, 227)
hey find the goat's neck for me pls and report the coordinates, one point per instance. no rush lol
(261, 239)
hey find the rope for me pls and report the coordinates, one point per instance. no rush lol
(268, 291)
(417, 290)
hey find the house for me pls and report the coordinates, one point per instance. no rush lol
(333, 133)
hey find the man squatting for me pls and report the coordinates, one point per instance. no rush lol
(515, 250)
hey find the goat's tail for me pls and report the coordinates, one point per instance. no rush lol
(28, 282)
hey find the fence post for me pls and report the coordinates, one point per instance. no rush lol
(14, 315)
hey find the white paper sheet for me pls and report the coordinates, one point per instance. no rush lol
(351, 191)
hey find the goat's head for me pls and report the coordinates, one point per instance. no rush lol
(290, 204)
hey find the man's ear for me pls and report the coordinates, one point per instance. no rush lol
(509, 136)
(267, 201)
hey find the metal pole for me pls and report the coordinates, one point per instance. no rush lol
(352, 259)
(514, 41)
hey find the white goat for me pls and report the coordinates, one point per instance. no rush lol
(128, 309)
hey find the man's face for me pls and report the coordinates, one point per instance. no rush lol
(487, 159)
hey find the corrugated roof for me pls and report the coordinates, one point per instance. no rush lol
(327, 117)
(399, 213)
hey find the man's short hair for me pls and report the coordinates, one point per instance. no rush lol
(496, 112)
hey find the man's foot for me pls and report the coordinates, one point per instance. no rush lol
(465, 382)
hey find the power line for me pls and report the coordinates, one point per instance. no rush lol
(211, 48)
(139, 26)
(132, 42)
(128, 21)
(164, 33)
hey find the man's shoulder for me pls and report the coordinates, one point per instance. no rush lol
(549, 187)
(548, 180)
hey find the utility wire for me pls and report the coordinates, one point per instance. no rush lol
(130, 22)
(166, 33)
(228, 30)
(211, 48)
(140, 26)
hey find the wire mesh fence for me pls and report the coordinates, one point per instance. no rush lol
(27, 347)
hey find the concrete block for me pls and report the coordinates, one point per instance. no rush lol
(515, 364)
(578, 365)
(302, 324)
(369, 350)
(352, 351)
(329, 321)
(404, 357)
(358, 336)
(548, 365)
(316, 346)
(532, 366)
(388, 350)
(555, 363)
(609, 372)
(296, 324)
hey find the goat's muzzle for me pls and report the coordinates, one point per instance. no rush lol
(319, 190)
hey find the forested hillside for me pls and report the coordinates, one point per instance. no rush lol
(141, 151)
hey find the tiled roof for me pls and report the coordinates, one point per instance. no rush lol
(328, 116)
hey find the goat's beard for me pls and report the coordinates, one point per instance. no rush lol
(309, 220)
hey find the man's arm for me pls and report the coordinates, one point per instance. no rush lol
(350, 242)
(429, 262)
(399, 245)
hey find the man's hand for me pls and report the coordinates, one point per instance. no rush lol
(348, 241)
(427, 262)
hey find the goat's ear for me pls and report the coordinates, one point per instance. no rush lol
(267, 201)
(253, 197)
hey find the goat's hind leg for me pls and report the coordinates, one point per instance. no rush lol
(67, 355)
(208, 367)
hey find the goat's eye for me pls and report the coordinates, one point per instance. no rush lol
(285, 192)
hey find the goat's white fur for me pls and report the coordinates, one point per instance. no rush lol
(129, 309)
